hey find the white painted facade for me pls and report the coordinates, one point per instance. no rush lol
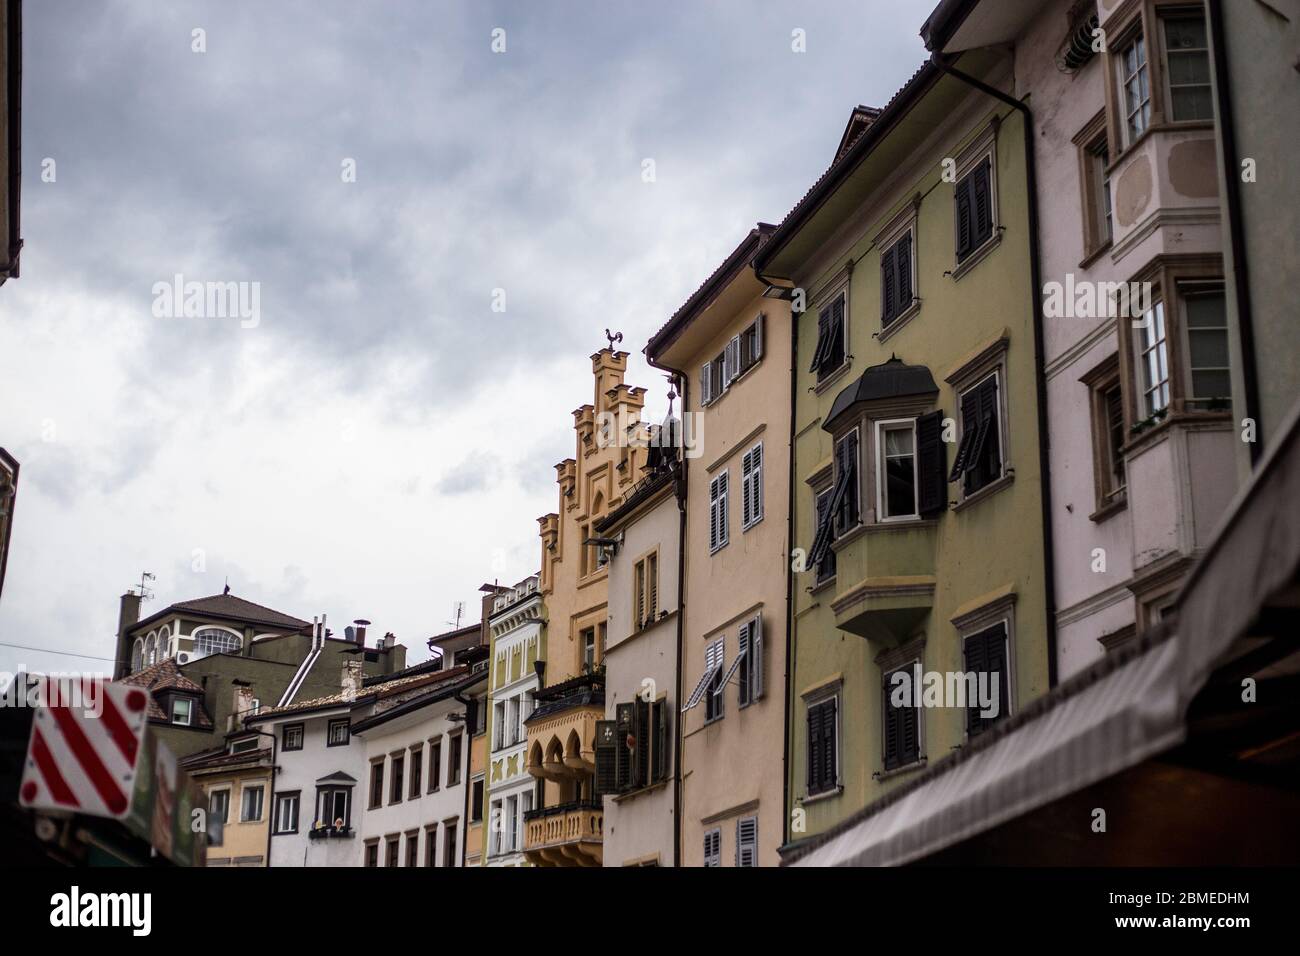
(425, 815)
(517, 630)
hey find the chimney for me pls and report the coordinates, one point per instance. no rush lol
(128, 614)
(243, 704)
(389, 640)
(361, 631)
(350, 682)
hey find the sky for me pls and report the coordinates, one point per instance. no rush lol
(438, 233)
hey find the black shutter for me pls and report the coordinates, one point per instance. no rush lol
(909, 749)
(887, 284)
(834, 357)
(643, 730)
(815, 748)
(829, 772)
(976, 663)
(970, 419)
(606, 757)
(963, 215)
(931, 465)
(903, 262)
(995, 657)
(893, 724)
(660, 768)
(625, 716)
(823, 339)
(983, 209)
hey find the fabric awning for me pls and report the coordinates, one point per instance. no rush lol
(1117, 720)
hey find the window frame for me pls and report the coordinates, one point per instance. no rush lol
(301, 729)
(189, 711)
(1164, 14)
(713, 847)
(813, 702)
(751, 486)
(281, 798)
(826, 303)
(1108, 495)
(983, 148)
(715, 695)
(435, 764)
(415, 772)
(819, 578)
(902, 226)
(1001, 611)
(719, 499)
(329, 732)
(244, 792)
(1096, 198)
(375, 795)
(882, 472)
(914, 661)
(396, 777)
(330, 790)
(454, 751)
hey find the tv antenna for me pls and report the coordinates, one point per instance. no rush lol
(146, 593)
(460, 612)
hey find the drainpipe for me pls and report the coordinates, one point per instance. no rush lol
(469, 784)
(683, 385)
(1236, 235)
(270, 823)
(1040, 376)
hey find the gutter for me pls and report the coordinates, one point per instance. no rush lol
(683, 387)
(1236, 234)
(1040, 376)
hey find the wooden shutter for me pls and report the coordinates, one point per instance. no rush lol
(606, 756)
(758, 336)
(714, 530)
(639, 587)
(829, 770)
(970, 420)
(909, 745)
(835, 355)
(706, 383)
(823, 339)
(981, 200)
(976, 663)
(659, 769)
(962, 212)
(756, 658)
(642, 730)
(845, 504)
(888, 284)
(731, 364)
(746, 497)
(903, 265)
(995, 658)
(815, 748)
(756, 478)
(625, 716)
(893, 723)
(723, 536)
(991, 453)
(931, 465)
(747, 841)
(652, 586)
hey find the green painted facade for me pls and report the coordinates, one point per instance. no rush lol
(900, 585)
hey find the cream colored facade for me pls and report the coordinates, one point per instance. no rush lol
(232, 782)
(732, 749)
(567, 829)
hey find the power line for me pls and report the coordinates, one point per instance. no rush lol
(46, 650)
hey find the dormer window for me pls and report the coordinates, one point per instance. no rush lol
(244, 746)
(182, 711)
(215, 640)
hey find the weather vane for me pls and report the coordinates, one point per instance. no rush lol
(613, 337)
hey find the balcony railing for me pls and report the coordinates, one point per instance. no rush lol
(566, 835)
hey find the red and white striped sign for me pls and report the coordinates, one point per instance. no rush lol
(82, 758)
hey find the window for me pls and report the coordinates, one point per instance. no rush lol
(902, 727)
(845, 506)
(1135, 87)
(714, 699)
(718, 531)
(979, 455)
(251, 807)
(712, 665)
(830, 352)
(394, 843)
(480, 716)
(750, 661)
(714, 378)
(435, 765)
(293, 736)
(476, 802)
(417, 771)
(823, 746)
(632, 750)
(896, 279)
(512, 711)
(497, 827)
(1094, 160)
(151, 650)
(974, 209)
(286, 812)
(338, 733)
(431, 845)
(397, 778)
(747, 841)
(219, 806)
(214, 640)
(1206, 321)
(587, 636)
(1187, 67)
(713, 847)
(413, 848)
(372, 853)
(512, 824)
(377, 784)
(333, 806)
(751, 487)
(645, 591)
(245, 746)
(751, 346)
(896, 476)
(1153, 361)
(986, 658)
(182, 711)
(498, 725)
(821, 555)
(137, 655)
(449, 844)
(453, 759)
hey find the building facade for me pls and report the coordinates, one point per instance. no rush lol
(732, 345)
(518, 641)
(912, 254)
(636, 756)
(565, 828)
(11, 98)
(8, 499)
(236, 779)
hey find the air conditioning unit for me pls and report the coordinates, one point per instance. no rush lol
(182, 658)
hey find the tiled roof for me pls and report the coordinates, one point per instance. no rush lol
(234, 608)
(403, 682)
(164, 676)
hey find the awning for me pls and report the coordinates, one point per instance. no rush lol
(1109, 723)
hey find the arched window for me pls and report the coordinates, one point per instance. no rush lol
(137, 655)
(214, 640)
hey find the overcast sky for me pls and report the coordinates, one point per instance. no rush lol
(381, 442)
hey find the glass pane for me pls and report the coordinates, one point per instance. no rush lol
(900, 488)
(1185, 34)
(1208, 347)
(1192, 103)
(1211, 384)
(1206, 311)
(1185, 68)
(898, 441)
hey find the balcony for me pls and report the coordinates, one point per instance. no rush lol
(571, 834)
(562, 730)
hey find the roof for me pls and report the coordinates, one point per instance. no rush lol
(166, 676)
(944, 21)
(433, 695)
(891, 379)
(229, 607)
(409, 679)
(699, 300)
(220, 759)
(643, 491)
(845, 163)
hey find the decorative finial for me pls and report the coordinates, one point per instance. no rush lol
(226, 589)
(613, 337)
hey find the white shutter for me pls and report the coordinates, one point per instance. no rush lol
(756, 658)
(758, 337)
(713, 514)
(723, 536)
(756, 479)
(706, 383)
(746, 493)
(732, 362)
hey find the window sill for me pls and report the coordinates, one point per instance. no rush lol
(825, 383)
(978, 255)
(899, 771)
(848, 537)
(1113, 507)
(886, 331)
(834, 791)
(900, 524)
(1095, 254)
(820, 586)
(753, 524)
(992, 488)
